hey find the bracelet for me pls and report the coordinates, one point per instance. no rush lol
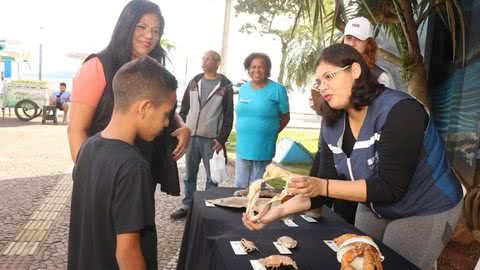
(326, 195)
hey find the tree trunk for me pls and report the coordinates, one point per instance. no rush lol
(388, 56)
(417, 86)
(226, 35)
(281, 75)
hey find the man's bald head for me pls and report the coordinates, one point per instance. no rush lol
(211, 61)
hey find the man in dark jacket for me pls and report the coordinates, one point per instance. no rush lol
(207, 108)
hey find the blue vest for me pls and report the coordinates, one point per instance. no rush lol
(434, 187)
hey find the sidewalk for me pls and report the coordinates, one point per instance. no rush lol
(35, 189)
(34, 221)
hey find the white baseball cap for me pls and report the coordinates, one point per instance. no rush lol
(360, 28)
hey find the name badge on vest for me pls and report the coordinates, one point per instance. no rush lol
(372, 162)
(245, 100)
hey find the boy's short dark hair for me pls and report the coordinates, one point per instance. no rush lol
(63, 84)
(142, 78)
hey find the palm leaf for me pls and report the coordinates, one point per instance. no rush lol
(369, 11)
(462, 27)
(451, 27)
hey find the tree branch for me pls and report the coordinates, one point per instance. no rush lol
(297, 17)
(427, 13)
(388, 56)
(387, 20)
(411, 34)
(271, 21)
(339, 24)
(402, 23)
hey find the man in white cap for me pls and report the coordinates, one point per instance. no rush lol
(359, 34)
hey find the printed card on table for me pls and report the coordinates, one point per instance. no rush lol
(331, 245)
(282, 249)
(289, 222)
(256, 265)
(238, 248)
(209, 204)
(309, 218)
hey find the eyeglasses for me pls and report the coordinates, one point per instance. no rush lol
(144, 30)
(326, 78)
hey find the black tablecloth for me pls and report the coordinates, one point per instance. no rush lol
(209, 230)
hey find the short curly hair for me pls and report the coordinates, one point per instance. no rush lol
(266, 61)
(364, 90)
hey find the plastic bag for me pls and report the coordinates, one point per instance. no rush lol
(218, 170)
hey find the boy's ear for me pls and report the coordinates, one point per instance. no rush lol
(143, 107)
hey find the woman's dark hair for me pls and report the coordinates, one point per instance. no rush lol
(266, 60)
(364, 90)
(121, 42)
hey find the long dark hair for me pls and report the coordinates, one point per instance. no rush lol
(121, 42)
(364, 90)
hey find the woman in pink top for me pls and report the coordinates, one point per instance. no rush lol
(137, 33)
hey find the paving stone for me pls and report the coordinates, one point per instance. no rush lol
(35, 194)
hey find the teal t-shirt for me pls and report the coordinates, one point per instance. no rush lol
(258, 120)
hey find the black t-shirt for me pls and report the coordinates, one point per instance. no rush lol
(112, 194)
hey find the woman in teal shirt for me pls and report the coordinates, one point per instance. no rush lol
(261, 112)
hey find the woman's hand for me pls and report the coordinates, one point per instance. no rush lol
(252, 225)
(256, 224)
(306, 186)
(295, 205)
(183, 137)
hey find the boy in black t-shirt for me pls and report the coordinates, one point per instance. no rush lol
(112, 223)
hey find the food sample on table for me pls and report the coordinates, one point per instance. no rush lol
(247, 245)
(238, 202)
(275, 261)
(266, 193)
(272, 172)
(358, 252)
(287, 241)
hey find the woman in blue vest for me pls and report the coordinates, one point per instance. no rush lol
(359, 34)
(379, 148)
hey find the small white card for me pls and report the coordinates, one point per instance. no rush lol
(256, 265)
(331, 245)
(309, 219)
(209, 204)
(289, 222)
(282, 249)
(238, 248)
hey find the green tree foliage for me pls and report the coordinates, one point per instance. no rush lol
(402, 20)
(303, 36)
(167, 44)
(307, 43)
(271, 18)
